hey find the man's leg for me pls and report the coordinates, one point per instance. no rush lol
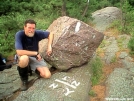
(23, 71)
(40, 67)
(44, 72)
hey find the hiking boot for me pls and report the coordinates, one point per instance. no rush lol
(24, 86)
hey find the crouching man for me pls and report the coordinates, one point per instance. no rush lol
(26, 45)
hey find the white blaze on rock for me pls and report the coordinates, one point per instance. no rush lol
(77, 28)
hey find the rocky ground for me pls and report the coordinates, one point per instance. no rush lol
(118, 68)
(100, 89)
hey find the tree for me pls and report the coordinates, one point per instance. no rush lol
(86, 8)
(64, 13)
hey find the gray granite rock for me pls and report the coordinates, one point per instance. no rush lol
(73, 85)
(10, 82)
(123, 55)
(104, 17)
(110, 50)
(128, 62)
(120, 85)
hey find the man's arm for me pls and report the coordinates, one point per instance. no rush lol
(49, 46)
(25, 52)
(19, 46)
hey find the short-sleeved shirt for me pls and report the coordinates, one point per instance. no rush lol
(23, 42)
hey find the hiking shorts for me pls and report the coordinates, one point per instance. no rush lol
(34, 63)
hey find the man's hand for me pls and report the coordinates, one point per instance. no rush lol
(50, 40)
(49, 51)
(38, 57)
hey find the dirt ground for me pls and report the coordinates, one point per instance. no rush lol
(100, 89)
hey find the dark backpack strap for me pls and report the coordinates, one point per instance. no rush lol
(4, 65)
(1, 60)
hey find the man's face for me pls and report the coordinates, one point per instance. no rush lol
(29, 29)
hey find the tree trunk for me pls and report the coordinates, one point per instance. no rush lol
(64, 8)
(86, 8)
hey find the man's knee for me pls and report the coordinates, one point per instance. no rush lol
(46, 75)
(23, 61)
(44, 72)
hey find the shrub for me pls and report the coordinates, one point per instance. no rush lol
(131, 45)
(9, 25)
(96, 67)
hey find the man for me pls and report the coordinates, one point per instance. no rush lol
(26, 44)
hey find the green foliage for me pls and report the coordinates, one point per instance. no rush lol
(127, 22)
(120, 42)
(9, 25)
(117, 24)
(92, 93)
(113, 60)
(131, 45)
(5, 6)
(7, 38)
(96, 66)
(14, 12)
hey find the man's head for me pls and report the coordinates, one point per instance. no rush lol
(29, 27)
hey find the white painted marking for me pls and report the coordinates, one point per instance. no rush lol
(53, 85)
(66, 83)
(75, 83)
(68, 92)
(77, 28)
(93, 36)
(65, 78)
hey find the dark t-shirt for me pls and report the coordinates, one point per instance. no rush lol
(23, 42)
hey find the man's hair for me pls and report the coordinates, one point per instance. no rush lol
(30, 21)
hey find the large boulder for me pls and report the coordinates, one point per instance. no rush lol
(74, 43)
(104, 17)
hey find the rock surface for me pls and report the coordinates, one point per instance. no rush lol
(9, 78)
(120, 85)
(104, 17)
(74, 44)
(10, 82)
(73, 85)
